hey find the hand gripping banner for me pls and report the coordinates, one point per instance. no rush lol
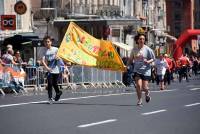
(81, 48)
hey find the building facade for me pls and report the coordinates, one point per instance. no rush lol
(182, 15)
(197, 14)
(115, 20)
(19, 24)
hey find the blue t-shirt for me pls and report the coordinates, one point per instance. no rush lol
(144, 53)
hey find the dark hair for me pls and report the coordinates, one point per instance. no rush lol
(17, 51)
(137, 37)
(47, 37)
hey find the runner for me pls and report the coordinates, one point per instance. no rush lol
(168, 74)
(161, 68)
(142, 56)
(184, 64)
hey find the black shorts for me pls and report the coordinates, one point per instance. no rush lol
(141, 76)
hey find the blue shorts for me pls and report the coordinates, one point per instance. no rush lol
(160, 78)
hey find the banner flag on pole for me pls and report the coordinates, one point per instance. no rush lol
(81, 48)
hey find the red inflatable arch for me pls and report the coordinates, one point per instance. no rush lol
(182, 40)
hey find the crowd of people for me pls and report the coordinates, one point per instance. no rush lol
(143, 67)
(54, 67)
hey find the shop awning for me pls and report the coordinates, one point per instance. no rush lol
(20, 39)
(122, 46)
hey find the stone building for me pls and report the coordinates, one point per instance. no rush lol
(182, 15)
(115, 20)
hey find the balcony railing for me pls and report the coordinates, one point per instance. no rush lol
(85, 9)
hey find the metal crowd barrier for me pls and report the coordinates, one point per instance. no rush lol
(93, 77)
(12, 78)
(85, 77)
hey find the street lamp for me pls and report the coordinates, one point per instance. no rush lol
(48, 15)
(47, 21)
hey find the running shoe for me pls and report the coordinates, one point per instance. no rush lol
(147, 98)
(50, 101)
(58, 96)
(139, 103)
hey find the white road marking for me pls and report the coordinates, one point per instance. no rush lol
(97, 123)
(166, 90)
(193, 104)
(65, 99)
(78, 98)
(19, 104)
(193, 89)
(154, 112)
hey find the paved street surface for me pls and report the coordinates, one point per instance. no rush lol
(104, 111)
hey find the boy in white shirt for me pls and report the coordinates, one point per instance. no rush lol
(51, 64)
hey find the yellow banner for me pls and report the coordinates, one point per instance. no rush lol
(81, 48)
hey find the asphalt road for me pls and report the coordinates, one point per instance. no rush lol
(114, 111)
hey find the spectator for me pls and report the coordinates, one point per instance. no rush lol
(7, 58)
(18, 59)
(30, 62)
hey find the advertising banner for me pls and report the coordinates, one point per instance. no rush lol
(81, 48)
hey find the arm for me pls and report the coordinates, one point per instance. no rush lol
(130, 59)
(151, 57)
(45, 65)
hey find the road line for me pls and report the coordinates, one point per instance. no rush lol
(193, 89)
(78, 98)
(193, 104)
(64, 99)
(19, 104)
(154, 112)
(97, 123)
(166, 90)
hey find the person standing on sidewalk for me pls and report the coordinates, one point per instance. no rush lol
(51, 64)
(142, 56)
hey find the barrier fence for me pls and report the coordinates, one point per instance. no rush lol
(78, 76)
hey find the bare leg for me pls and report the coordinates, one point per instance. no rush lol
(145, 86)
(138, 81)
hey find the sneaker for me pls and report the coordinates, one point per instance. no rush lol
(50, 101)
(148, 98)
(139, 103)
(58, 96)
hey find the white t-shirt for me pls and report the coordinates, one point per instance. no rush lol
(50, 56)
(161, 66)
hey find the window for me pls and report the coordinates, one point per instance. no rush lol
(198, 19)
(48, 3)
(178, 4)
(177, 29)
(177, 17)
(116, 32)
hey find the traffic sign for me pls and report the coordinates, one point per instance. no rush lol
(8, 22)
